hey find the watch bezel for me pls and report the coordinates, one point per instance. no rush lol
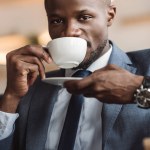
(142, 94)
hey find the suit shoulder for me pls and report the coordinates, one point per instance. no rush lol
(141, 59)
(140, 55)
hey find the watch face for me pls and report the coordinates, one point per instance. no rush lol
(143, 98)
(142, 94)
(143, 104)
(146, 94)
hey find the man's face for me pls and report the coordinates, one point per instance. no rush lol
(87, 19)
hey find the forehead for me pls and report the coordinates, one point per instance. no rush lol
(68, 5)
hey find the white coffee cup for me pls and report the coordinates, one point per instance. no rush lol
(67, 52)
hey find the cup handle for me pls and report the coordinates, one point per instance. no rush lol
(45, 48)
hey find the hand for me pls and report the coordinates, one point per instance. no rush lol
(23, 67)
(110, 84)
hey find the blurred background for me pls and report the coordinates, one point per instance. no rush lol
(24, 22)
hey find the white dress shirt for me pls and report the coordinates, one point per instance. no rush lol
(89, 133)
(7, 121)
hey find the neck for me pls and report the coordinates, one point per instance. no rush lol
(106, 48)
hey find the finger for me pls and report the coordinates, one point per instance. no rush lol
(20, 61)
(32, 77)
(93, 90)
(25, 70)
(77, 90)
(34, 50)
(46, 50)
(78, 85)
(35, 61)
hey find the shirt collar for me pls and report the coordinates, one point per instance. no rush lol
(98, 64)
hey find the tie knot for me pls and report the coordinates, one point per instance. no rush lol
(82, 73)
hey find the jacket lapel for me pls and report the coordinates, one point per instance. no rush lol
(40, 112)
(110, 112)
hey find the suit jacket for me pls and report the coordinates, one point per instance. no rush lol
(124, 126)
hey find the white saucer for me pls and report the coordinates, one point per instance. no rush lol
(59, 80)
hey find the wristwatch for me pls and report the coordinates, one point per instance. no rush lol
(142, 94)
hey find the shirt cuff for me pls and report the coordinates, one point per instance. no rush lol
(7, 121)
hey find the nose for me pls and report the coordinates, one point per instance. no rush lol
(72, 29)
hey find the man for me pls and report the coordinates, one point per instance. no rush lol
(42, 107)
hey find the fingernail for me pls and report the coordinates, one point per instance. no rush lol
(43, 77)
(49, 60)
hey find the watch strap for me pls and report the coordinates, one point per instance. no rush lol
(146, 82)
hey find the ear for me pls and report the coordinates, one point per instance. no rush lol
(111, 12)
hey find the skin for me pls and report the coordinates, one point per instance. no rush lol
(81, 20)
(110, 84)
(87, 19)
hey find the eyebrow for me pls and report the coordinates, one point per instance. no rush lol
(57, 13)
(53, 15)
(83, 11)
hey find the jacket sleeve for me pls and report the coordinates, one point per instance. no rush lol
(7, 143)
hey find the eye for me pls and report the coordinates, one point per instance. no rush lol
(85, 17)
(56, 21)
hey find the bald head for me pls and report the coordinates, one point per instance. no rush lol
(87, 19)
(107, 2)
